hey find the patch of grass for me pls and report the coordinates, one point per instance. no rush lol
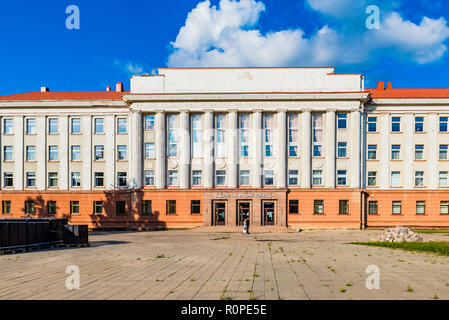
(409, 289)
(435, 297)
(221, 238)
(160, 256)
(342, 290)
(431, 231)
(192, 279)
(438, 247)
(255, 275)
(349, 284)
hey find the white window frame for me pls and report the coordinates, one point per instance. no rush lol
(72, 125)
(173, 178)
(53, 153)
(395, 179)
(419, 150)
(197, 135)
(149, 178)
(220, 174)
(242, 176)
(268, 136)
(293, 174)
(220, 146)
(172, 135)
(317, 175)
(293, 131)
(50, 125)
(372, 175)
(197, 178)
(244, 132)
(419, 179)
(317, 145)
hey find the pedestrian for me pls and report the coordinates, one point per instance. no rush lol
(245, 226)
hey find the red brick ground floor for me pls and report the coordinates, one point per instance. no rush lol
(297, 208)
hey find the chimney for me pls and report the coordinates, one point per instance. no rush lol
(119, 87)
(389, 85)
(381, 86)
(108, 88)
(45, 89)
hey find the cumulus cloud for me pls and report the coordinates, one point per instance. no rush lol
(129, 67)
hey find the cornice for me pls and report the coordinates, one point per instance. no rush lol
(64, 104)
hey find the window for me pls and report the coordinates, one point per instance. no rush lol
(396, 124)
(419, 124)
(318, 206)
(31, 153)
(149, 122)
(244, 177)
(420, 207)
(195, 206)
(419, 152)
(6, 207)
(372, 207)
(146, 207)
(99, 153)
(7, 153)
(99, 179)
(171, 207)
(293, 131)
(293, 177)
(76, 125)
(244, 135)
(221, 177)
(268, 177)
(7, 126)
(76, 179)
(31, 126)
(268, 126)
(372, 178)
(53, 153)
(397, 207)
(121, 179)
(443, 152)
(197, 136)
(53, 126)
(443, 179)
(293, 206)
(197, 178)
(443, 124)
(74, 207)
(444, 207)
(395, 152)
(149, 177)
(99, 125)
(98, 207)
(341, 177)
(172, 126)
(372, 152)
(342, 150)
(51, 207)
(31, 179)
(29, 207)
(122, 153)
(317, 177)
(343, 206)
(395, 178)
(8, 179)
(52, 179)
(372, 124)
(172, 178)
(76, 153)
(419, 178)
(149, 151)
(120, 207)
(220, 135)
(121, 126)
(317, 122)
(342, 120)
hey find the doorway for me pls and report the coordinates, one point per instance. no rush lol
(268, 213)
(244, 211)
(219, 214)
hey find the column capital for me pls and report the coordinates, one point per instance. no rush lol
(306, 110)
(233, 110)
(184, 110)
(208, 111)
(257, 111)
(159, 110)
(331, 110)
(281, 110)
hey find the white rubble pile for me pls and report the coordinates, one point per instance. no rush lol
(399, 234)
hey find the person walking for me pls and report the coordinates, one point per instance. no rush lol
(245, 226)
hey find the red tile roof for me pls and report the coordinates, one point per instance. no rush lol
(409, 93)
(74, 95)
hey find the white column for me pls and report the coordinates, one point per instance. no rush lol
(407, 151)
(208, 148)
(432, 151)
(185, 157)
(18, 152)
(330, 138)
(41, 152)
(306, 141)
(383, 151)
(135, 156)
(86, 152)
(256, 147)
(281, 147)
(109, 152)
(232, 149)
(63, 152)
(355, 149)
(160, 173)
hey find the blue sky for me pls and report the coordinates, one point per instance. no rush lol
(118, 38)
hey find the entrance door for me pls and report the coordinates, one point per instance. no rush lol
(268, 213)
(219, 213)
(244, 211)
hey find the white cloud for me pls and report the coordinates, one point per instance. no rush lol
(337, 8)
(129, 67)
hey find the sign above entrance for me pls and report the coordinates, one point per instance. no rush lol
(244, 196)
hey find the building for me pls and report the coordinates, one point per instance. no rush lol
(299, 147)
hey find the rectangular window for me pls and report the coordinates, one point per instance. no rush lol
(443, 124)
(444, 207)
(120, 208)
(293, 132)
(293, 206)
(195, 206)
(244, 135)
(31, 126)
(396, 124)
(220, 135)
(31, 153)
(172, 178)
(419, 152)
(343, 206)
(53, 153)
(171, 207)
(98, 207)
(99, 125)
(342, 150)
(397, 207)
(372, 124)
(372, 178)
(52, 179)
(122, 126)
(443, 179)
(372, 207)
(419, 178)
(31, 179)
(341, 177)
(395, 152)
(146, 207)
(149, 122)
(99, 179)
(121, 179)
(122, 153)
(149, 177)
(53, 126)
(318, 206)
(221, 177)
(74, 207)
(268, 126)
(76, 153)
(293, 177)
(149, 151)
(172, 127)
(317, 123)
(395, 178)
(76, 125)
(342, 120)
(7, 126)
(29, 207)
(443, 151)
(99, 153)
(372, 152)
(76, 179)
(51, 207)
(197, 178)
(244, 177)
(419, 124)
(8, 179)
(268, 177)
(6, 207)
(197, 136)
(420, 207)
(317, 177)
(7, 153)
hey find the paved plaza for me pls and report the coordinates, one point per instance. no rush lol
(194, 265)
